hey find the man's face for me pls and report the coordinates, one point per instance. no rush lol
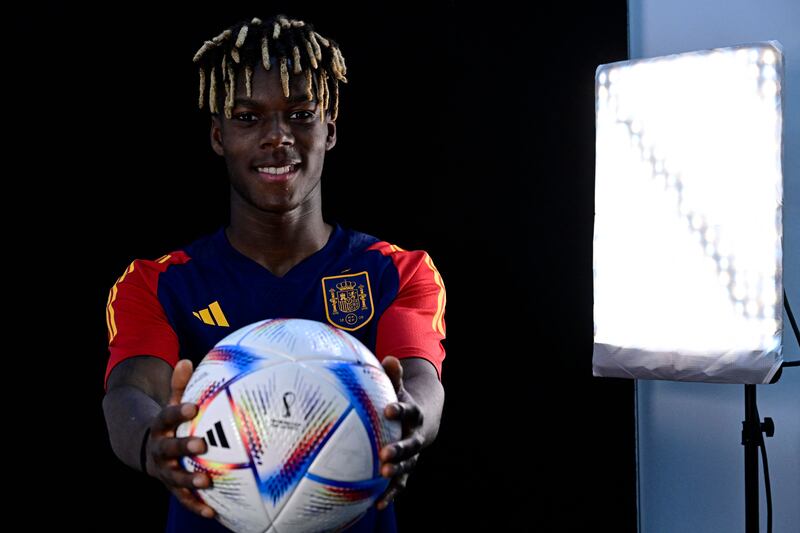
(267, 133)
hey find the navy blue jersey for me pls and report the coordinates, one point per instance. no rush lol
(180, 305)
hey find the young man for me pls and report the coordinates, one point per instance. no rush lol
(273, 120)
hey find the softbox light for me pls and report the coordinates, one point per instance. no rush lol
(687, 229)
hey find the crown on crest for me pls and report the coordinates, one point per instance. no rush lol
(346, 285)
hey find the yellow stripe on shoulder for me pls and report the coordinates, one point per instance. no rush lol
(112, 295)
(438, 318)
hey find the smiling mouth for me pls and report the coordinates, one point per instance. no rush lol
(278, 174)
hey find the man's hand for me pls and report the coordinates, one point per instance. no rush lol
(399, 458)
(163, 450)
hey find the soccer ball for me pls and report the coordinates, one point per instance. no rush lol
(292, 413)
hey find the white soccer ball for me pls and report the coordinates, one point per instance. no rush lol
(292, 413)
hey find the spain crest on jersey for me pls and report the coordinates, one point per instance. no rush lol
(348, 300)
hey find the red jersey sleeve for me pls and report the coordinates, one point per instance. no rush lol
(137, 323)
(413, 324)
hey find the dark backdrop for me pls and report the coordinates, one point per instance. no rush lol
(464, 131)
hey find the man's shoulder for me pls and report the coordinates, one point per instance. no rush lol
(151, 267)
(362, 241)
(357, 241)
(407, 262)
(202, 242)
(396, 252)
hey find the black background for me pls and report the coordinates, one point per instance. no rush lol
(465, 130)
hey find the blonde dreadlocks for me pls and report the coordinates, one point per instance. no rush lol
(247, 45)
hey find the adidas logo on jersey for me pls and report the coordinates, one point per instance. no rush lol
(212, 315)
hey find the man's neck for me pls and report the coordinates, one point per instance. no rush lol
(278, 241)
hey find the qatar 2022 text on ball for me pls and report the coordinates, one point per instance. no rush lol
(292, 413)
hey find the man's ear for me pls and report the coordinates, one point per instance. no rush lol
(330, 140)
(216, 135)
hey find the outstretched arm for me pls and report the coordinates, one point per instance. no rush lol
(420, 398)
(145, 393)
(138, 388)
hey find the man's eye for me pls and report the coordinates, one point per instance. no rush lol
(302, 114)
(239, 116)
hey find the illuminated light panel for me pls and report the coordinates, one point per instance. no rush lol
(687, 231)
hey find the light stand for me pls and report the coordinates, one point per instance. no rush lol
(752, 438)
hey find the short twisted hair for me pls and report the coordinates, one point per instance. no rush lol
(292, 44)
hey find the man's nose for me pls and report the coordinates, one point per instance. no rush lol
(276, 132)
